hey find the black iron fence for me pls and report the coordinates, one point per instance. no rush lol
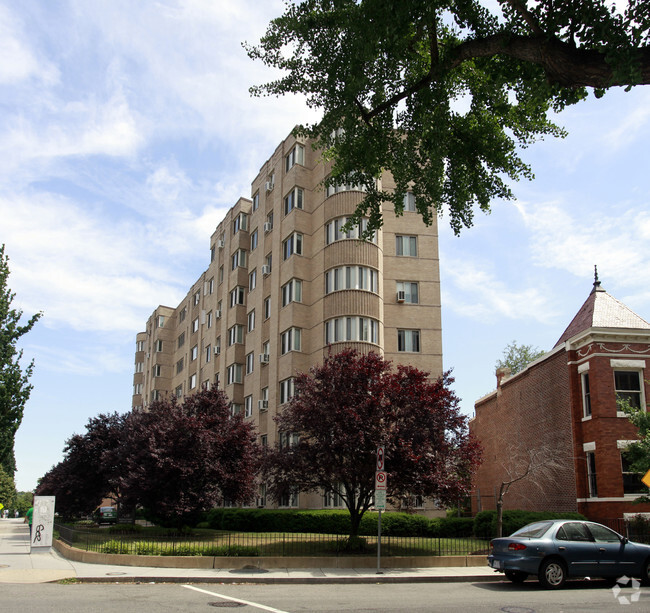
(240, 544)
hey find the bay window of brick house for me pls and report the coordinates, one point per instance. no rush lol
(592, 483)
(586, 395)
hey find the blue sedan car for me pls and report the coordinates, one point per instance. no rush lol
(556, 550)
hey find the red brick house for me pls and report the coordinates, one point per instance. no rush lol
(560, 413)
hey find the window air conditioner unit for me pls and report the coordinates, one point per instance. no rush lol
(269, 186)
(266, 269)
(262, 405)
(220, 243)
(264, 358)
(268, 226)
(217, 313)
(217, 350)
(401, 296)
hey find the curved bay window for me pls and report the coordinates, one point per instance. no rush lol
(334, 232)
(342, 329)
(351, 277)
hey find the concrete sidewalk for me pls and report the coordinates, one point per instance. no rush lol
(19, 565)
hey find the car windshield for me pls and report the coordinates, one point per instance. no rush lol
(535, 530)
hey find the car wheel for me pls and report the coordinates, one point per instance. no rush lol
(552, 574)
(516, 576)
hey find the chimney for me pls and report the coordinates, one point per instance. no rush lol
(502, 373)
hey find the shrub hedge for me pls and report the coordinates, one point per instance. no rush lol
(334, 522)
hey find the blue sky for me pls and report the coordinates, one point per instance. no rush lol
(127, 132)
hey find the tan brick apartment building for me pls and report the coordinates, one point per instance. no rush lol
(565, 402)
(284, 286)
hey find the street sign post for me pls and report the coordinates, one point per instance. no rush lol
(381, 482)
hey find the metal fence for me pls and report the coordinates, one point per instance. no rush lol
(263, 544)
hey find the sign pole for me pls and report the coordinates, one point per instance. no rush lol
(380, 499)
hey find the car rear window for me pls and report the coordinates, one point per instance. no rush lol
(536, 530)
(106, 509)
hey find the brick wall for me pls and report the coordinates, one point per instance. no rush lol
(530, 413)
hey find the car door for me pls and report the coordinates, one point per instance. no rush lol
(612, 560)
(575, 545)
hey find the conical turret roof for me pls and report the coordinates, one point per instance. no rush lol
(601, 310)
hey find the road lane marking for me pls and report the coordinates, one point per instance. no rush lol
(250, 604)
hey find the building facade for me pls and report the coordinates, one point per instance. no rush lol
(285, 286)
(561, 415)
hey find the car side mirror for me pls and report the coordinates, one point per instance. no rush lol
(624, 540)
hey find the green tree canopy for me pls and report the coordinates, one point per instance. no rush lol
(517, 357)
(14, 382)
(444, 93)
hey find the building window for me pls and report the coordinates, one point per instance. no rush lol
(335, 188)
(159, 346)
(181, 339)
(632, 484)
(252, 280)
(182, 314)
(139, 367)
(238, 296)
(334, 230)
(351, 277)
(139, 346)
(217, 346)
(291, 245)
(208, 353)
(290, 340)
(334, 498)
(220, 275)
(268, 226)
(409, 202)
(211, 286)
(351, 329)
(192, 381)
(137, 389)
(296, 156)
(267, 307)
(250, 362)
(240, 223)
(266, 348)
(265, 395)
(206, 385)
(236, 334)
(254, 239)
(628, 387)
(155, 395)
(286, 390)
(268, 264)
(179, 365)
(208, 320)
(408, 340)
(292, 292)
(179, 391)
(409, 292)
(248, 406)
(234, 374)
(251, 321)
(197, 297)
(293, 200)
(289, 498)
(586, 396)
(256, 201)
(238, 259)
(406, 245)
(156, 370)
(195, 325)
(235, 409)
(591, 475)
(194, 353)
(161, 321)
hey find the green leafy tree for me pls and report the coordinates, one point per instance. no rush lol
(638, 452)
(7, 490)
(14, 381)
(443, 93)
(517, 357)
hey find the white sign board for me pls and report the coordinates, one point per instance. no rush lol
(43, 522)
(380, 500)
